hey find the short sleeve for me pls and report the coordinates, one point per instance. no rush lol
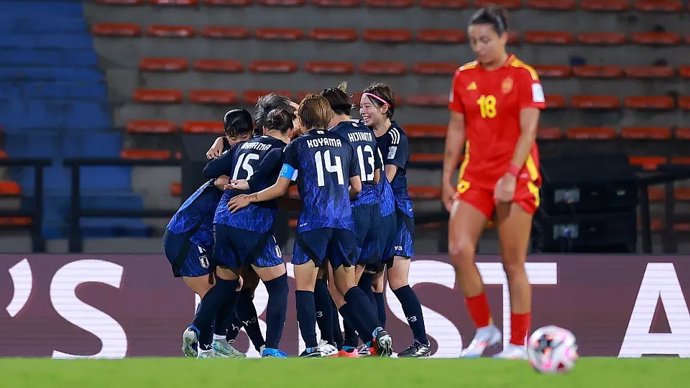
(290, 155)
(397, 153)
(455, 99)
(354, 163)
(530, 92)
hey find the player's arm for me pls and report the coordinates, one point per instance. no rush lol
(221, 181)
(217, 148)
(455, 138)
(269, 164)
(529, 120)
(277, 190)
(217, 167)
(396, 157)
(355, 186)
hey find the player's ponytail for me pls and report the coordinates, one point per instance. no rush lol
(496, 16)
(338, 99)
(381, 94)
(279, 120)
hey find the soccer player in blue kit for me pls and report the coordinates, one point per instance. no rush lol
(327, 175)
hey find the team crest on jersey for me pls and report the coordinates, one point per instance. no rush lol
(472, 86)
(203, 261)
(507, 85)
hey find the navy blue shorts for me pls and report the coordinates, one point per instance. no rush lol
(192, 263)
(236, 248)
(403, 237)
(368, 228)
(339, 246)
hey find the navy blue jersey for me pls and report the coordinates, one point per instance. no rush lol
(363, 143)
(197, 212)
(258, 161)
(395, 151)
(386, 197)
(322, 163)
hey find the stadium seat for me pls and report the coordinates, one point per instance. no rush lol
(163, 64)
(228, 3)
(151, 127)
(389, 3)
(507, 4)
(684, 71)
(548, 37)
(656, 194)
(601, 38)
(114, 30)
(555, 101)
(684, 102)
(175, 189)
(387, 36)
(175, 3)
(160, 31)
(121, 2)
(279, 33)
(9, 189)
(280, 67)
(203, 127)
(682, 133)
(591, 133)
(646, 133)
(557, 5)
(329, 67)
(441, 36)
(427, 100)
(553, 71)
(605, 5)
(336, 3)
(593, 71)
(658, 5)
(682, 194)
(218, 66)
(15, 221)
(656, 38)
(334, 34)
(212, 97)
(158, 96)
(383, 68)
(650, 102)
(443, 4)
(426, 131)
(426, 159)
(424, 192)
(647, 162)
(281, 3)
(250, 97)
(549, 133)
(220, 32)
(135, 154)
(3, 154)
(680, 160)
(435, 68)
(513, 37)
(649, 72)
(595, 102)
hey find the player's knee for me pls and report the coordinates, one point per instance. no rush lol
(514, 270)
(461, 253)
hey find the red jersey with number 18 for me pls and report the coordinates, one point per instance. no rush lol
(490, 101)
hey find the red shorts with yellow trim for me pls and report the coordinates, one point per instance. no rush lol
(476, 194)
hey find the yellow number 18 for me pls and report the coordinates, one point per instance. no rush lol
(487, 106)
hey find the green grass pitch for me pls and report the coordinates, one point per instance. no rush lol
(328, 373)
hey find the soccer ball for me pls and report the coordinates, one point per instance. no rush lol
(552, 349)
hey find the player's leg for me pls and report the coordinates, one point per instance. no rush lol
(378, 287)
(226, 328)
(324, 306)
(246, 311)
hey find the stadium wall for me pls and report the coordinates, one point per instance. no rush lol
(115, 306)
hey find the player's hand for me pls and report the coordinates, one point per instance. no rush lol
(237, 184)
(221, 182)
(504, 191)
(448, 196)
(238, 202)
(216, 149)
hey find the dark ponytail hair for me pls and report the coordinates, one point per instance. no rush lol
(496, 16)
(279, 120)
(340, 102)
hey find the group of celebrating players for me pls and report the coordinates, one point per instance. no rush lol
(356, 221)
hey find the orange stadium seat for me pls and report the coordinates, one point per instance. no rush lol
(336, 3)
(647, 162)
(605, 5)
(121, 2)
(163, 64)
(656, 38)
(158, 96)
(329, 67)
(441, 36)
(435, 68)
(684, 102)
(591, 133)
(151, 126)
(553, 71)
(682, 194)
(549, 133)
(443, 4)
(684, 71)
(218, 66)
(646, 133)
(601, 38)
(279, 33)
(595, 102)
(222, 32)
(426, 131)
(680, 160)
(650, 102)
(649, 72)
(282, 67)
(387, 35)
(513, 37)
(128, 30)
(548, 37)
(656, 194)
(383, 68)
(135, 154)
(555, 101)
(558, 5)
(334, 34)
(15, 221)
(658, 5)
(389, 3)
(228, 3)
(425, 192)
(212, 97)
(426, 158)
(593, 71)
(507, 4)
(682, 133)
(281, 3)
(175, 189)
(250, 97)
(10, 188)
(203, 127)
(175, 3)
(427, 100)
(3, 154)
(160, 31)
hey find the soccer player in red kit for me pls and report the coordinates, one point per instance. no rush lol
(494, 104)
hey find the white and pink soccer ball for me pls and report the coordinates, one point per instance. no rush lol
(552, 349)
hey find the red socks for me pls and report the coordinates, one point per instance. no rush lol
(519, 327)
(479, 310)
